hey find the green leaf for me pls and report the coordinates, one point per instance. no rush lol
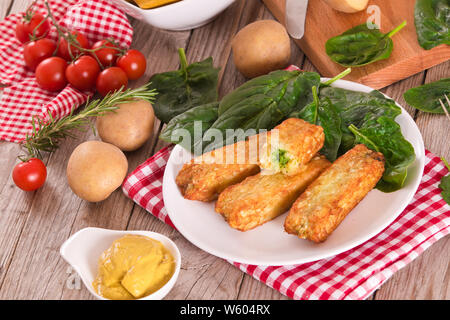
(324, 114)
(426, 98)
(354, 106)
(432, 20)
(263, 102)
(361, 45)
(444, 185)
(190, 86)
(179, 126)
(384, 135)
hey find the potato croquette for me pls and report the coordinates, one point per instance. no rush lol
(261, 198)
(328, 200)
(207, 175)
(291, 145)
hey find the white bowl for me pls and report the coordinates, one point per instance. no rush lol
(83, 249)
(181, 15)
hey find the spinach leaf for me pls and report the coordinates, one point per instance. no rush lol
(192, 85)
(384, 135)
(426, 97)
(444, 185)
(188, 128)
(324, 113)
(361, 45)
(432, 20)
(351, 117)
(263, 102)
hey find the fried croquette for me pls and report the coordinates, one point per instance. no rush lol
(290, 146)
(209, 174)
(328, 200)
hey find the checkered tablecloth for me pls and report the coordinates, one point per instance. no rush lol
(22, 98)
(354, 274)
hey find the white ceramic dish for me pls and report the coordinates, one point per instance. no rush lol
(83, 249)
(269, 244)
(181, 15)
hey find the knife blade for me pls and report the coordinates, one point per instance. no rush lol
(295, 17)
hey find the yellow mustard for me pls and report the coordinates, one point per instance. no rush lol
(133, 267)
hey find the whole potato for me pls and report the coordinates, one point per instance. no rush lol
(95, 170)
(127, 127)
(261, 47)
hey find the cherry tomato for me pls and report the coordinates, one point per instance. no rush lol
(133, 62)
(82, 73)
(107, 55)
(50, 74)
(63, 49)
(30, 175)
(36, 51)
(30, 22)
(111, 79)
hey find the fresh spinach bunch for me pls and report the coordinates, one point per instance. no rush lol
(432, 20)
(361, 45)
(384, 135)
(444, 185)
(262, 103)
(426, 98)
(353, 106)
(351, 117)
(180, 90)
(181, 129)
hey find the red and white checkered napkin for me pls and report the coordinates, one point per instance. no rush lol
(353, 274)
(22, 98)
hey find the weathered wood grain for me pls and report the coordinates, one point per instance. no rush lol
(428, 276)
(4, 7)
(15, 205)
(115, 212)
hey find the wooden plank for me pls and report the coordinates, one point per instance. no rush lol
(14, 203)
(115, 212)
(35, 224)
(407, 58)
(4, 8)
(428, 276)
(202, 276)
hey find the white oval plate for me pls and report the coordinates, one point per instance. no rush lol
(269, 244)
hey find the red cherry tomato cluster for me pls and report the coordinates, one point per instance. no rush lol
(104, 67)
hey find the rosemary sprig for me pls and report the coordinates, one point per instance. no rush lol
(47, 134)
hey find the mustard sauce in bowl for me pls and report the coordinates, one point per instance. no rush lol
(133, 267)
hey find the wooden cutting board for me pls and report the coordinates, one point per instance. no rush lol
(322, 23)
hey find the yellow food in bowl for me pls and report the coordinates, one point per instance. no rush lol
(133, 267)
(149, 4)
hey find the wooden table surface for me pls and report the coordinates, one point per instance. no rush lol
(33, 225)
